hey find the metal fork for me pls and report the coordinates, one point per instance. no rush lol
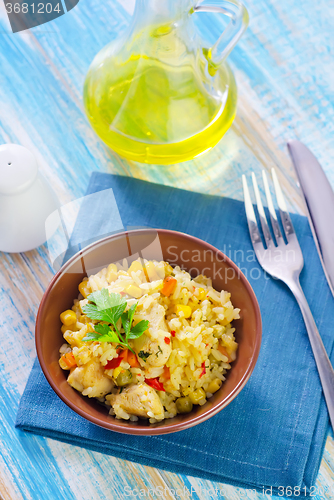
(285, 262)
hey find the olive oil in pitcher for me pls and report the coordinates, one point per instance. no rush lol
(157, 96)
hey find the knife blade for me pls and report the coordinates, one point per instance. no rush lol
(319, 199)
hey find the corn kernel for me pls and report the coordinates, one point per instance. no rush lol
(111, 273)
(116, 372)
(63, 365)
(68, 317)
(135, 266)
(201, 294)
(64, 328)
(84, 289)
(197, 396)
(134, 291)
(151, 271)
(214, 385)
(186, 310)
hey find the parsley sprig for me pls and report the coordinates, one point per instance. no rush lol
(109, 307)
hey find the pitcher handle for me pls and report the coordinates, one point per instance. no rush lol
(232, 33)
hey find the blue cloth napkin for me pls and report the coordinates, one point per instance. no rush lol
(273, 434)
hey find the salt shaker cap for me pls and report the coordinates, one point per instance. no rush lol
(18, 168)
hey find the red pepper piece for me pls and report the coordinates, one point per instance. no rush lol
(172, 333)
(203, 370)
(167, 340)
(113, 363)
(155, 384)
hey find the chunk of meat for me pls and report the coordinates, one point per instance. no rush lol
(140, 400)
(156, 317)
(153, 341)
(152, 353)
(90, 375)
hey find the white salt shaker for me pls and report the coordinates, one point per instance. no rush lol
(26, 200)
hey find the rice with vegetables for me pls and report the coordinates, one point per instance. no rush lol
(148, 341)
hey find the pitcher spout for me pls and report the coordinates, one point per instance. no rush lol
(163, 10)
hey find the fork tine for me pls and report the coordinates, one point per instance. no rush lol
(286, 221)
(251, 219)
(262, 215)
(273, 217)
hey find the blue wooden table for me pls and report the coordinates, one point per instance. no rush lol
(284, 67)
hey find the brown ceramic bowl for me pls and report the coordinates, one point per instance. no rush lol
(192, 254)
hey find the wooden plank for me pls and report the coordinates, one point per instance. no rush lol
(284, 69)
(8, 491)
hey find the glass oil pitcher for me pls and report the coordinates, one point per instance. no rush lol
(156, 95)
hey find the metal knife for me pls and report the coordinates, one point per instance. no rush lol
(319, 199)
